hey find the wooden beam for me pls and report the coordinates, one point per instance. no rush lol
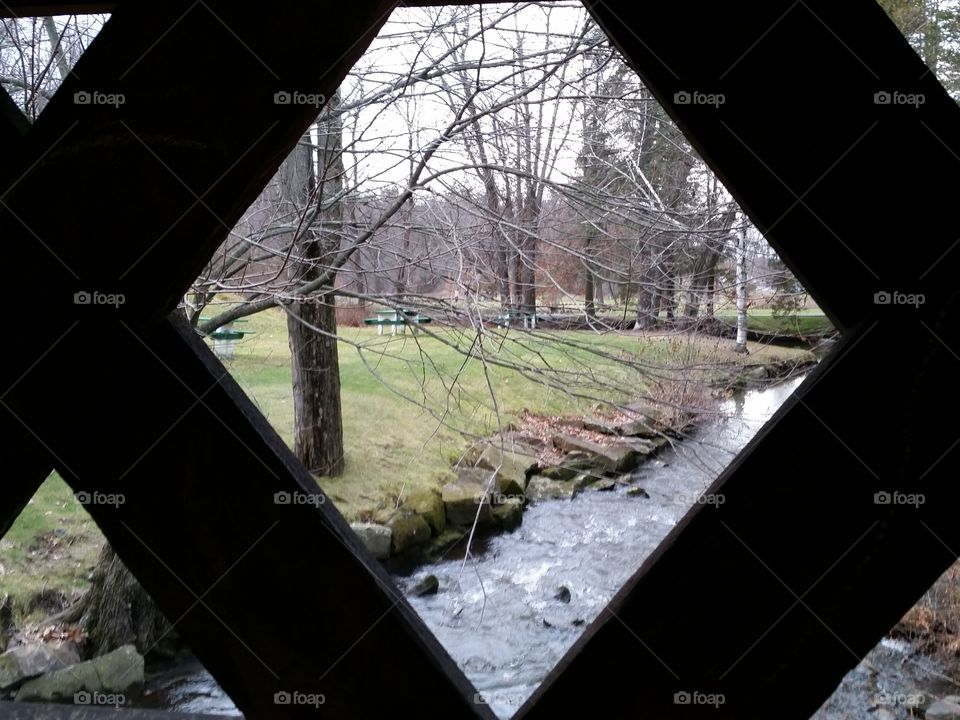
(799, 139)
(790, 577)
(273, 598)
(183, 474)
(37, 8)
(180, 151)
(47, 711)
(43, 8)
(816, 564)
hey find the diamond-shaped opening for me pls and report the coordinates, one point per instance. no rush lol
(64, 588)
(38, 53)
(560, 284)
(562, 274)
(932, 27)
(479, 309)
(914, 671)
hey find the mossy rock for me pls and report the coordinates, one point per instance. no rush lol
(513, 466)
(503, 485)
(120, 671)
(430, 585)
(461, 499)
(429, 505)
(542, 488)
(409, 530)
(376, 538)
(562, 472)
(509, 515)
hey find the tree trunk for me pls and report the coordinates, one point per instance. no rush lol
(531, 225)
(647, 304)
(589, 281)
(503, 274)
(741, 246)
(691, 309)
(711, 291)
(670, 296)
(312, 326)
(117, 611)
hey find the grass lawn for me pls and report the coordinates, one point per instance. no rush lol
(806, 322)
(410, 406)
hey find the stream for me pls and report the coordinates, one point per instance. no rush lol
(500, 618)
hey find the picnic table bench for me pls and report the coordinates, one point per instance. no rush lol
(529, 319)
(225, 337)
(397, 318)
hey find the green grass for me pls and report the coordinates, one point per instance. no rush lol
(391, 442)
(410, 406)
(805, 322)
(53, 545)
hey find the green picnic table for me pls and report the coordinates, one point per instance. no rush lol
(529, 319)
(397, 318)
(224, 338)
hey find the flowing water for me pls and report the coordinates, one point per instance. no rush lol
(500, 617)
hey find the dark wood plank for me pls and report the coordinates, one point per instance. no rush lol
(272, 598)
(799, 139)
(715, 610)
(196, 138)
(38, 8)
(46, 711)
(779, 592)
